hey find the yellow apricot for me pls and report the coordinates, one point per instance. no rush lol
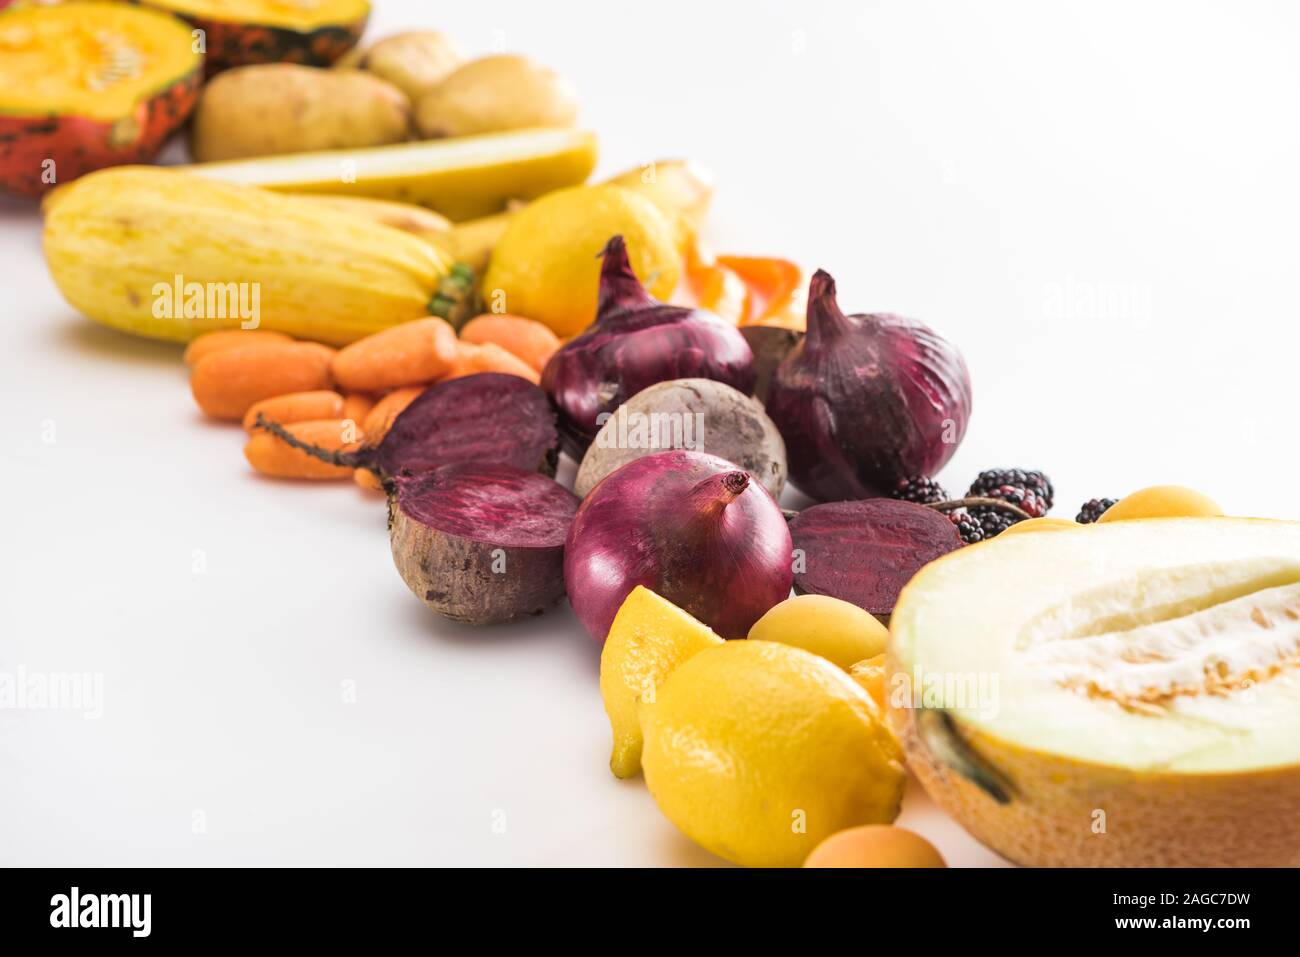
(1162, 501)
(840, 632)
(1041, 525)
(875, 845)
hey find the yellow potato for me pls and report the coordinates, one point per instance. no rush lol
(285, 108)
(493, 94)
(840, 632)
(414, 61)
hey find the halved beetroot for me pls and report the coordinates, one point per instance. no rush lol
(240, 32)
(84, 85)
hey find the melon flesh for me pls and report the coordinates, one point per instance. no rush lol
(1150, 666)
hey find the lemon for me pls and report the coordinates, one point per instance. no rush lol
(650, 637)
(546, 265)
(759, 751)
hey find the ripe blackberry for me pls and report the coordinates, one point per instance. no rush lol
(922, 490)
(969, 529)
(1026, 498)
(1027, 479)
(993, 521)
(1093, 509)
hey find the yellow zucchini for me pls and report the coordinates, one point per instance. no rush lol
(462, 178)
(164, 254)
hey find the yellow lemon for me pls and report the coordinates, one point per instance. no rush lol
(759, 751)
(546, 265)
(650, 637)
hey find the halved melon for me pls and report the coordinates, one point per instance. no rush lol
(84, 85)
(239, 32)
(1117, 695)
(462, 178)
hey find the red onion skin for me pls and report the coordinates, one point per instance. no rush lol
(867, 400)
(690, 527)
(635, 342)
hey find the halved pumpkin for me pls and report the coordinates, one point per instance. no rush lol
(84, 85)
(1124, 694)
(240, 32)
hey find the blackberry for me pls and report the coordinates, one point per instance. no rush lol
(1093, 509)
(969, 529)
(922, 490)
(1028, 499)
(1027, 479)
(993, 521)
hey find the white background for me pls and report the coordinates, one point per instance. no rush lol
(1098, 202)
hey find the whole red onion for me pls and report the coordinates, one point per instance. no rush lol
(687, 525)
(866, 400)
(636, 342)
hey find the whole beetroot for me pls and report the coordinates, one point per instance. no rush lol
(866, 401)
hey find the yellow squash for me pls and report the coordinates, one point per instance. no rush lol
(167, 255)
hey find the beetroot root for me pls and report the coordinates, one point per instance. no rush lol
(487, 417)
(481, 543)
(864, 552)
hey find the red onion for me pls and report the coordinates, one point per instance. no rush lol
(689, 526)
(635, 342)
(867, 400)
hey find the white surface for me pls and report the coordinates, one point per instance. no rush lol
(1097, 202)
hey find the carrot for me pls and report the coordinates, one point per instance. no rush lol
(367, 480)
(297, 407)
(227, 383)
(490, 357)
(380, 418)
(357, 406)
(527, 339)
(408, 354)
(271, 456)
(208, 343)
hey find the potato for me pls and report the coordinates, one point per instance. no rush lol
(285, 108)
(415, 61)
(493, 94)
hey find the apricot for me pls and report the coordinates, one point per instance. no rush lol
(870, 674)
(840, 632)
(1040, 525)
(875, 845)
(1162, 501)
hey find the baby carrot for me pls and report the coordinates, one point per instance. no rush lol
(379, 418)
(490, 357)
(408, 354)
(208, 343)
(225, 384)
(272, 456)
(298, 407)
(367, 480)
(527, 339)
(356, 406)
